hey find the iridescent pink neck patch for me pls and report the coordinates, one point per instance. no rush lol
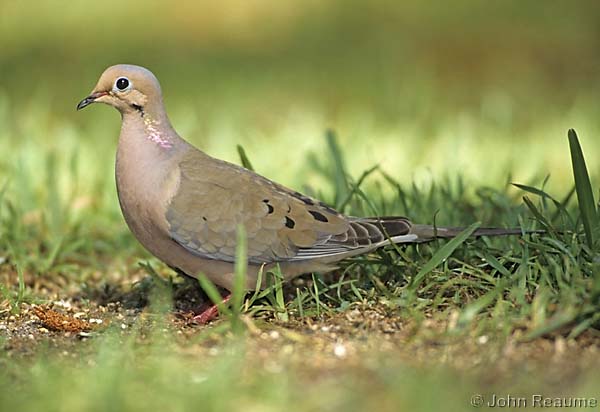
(153, 133)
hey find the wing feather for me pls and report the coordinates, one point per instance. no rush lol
(215, 197)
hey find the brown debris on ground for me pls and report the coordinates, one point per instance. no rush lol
(61, 322)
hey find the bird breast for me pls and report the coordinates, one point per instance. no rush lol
(146, 178)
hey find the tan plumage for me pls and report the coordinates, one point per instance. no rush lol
(185, 206)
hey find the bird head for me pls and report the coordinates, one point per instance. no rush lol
(128, 88)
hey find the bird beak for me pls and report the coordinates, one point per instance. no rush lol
(90, 99)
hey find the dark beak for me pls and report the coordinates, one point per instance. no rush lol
(90, 99)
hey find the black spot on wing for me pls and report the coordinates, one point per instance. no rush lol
(318, 216)
(305, 199)
(269, 207)
(289, 223)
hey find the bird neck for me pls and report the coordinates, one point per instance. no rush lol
(153, 125)
(147, 146)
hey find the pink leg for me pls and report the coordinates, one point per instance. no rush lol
(209, 314)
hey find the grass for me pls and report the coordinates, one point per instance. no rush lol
(401, 118)
(509, 290)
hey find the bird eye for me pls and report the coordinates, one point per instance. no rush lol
(122, 83)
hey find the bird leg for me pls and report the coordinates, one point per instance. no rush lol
(206, 314)
(211, 313)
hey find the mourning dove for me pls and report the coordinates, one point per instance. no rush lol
(185, 206)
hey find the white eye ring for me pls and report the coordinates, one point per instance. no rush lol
(122, 84)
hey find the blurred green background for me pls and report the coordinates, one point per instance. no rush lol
(483, 89)
(427, 90)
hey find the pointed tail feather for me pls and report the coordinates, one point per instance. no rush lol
(426, 233)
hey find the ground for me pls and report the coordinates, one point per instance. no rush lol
(369, 345)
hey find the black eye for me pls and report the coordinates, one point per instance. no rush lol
(122, 83)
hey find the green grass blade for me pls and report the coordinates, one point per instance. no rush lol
(239, 280)
(279, 297)
(583, 186)
(317, 298)
(257, 288)
(443, 254)
(339, 172)
(213, 294)
(299, 303)
(468, 314)
(494, 263)
(560, 206)
(243, 158)
(558, 321)
(18, 264)
(537, 214)
(356, 187)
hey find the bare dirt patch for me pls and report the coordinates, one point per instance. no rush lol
(348, 339)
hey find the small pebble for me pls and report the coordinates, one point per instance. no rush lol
(339, 350)
(63, 303)
(559, 345)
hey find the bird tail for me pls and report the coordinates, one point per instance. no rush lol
(426, 233)
(379, 231)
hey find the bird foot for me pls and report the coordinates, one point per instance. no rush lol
(209, 314)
